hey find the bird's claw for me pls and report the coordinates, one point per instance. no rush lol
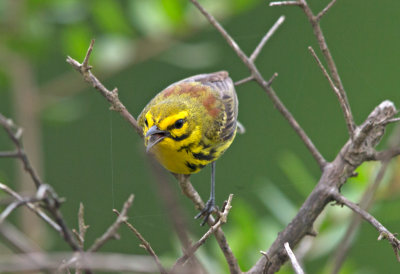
(207, 210)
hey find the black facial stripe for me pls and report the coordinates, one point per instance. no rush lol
(180, 138)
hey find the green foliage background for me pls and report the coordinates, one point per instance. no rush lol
(92, 156)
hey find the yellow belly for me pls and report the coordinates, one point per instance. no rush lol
(183, 161)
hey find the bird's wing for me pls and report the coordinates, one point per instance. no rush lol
(221, 83)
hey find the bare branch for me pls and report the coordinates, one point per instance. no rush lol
(285, 3)
(85, 63)
(352, 154)
(365, 203)
(15, 134)
(296, 266)
(111, 96)
(325, 10)
(245, 80)
(269, 83)
(145, 244)
(222, 220)
(31, 206)
(111, 262)
(112, 230)
(14, 205)
(314, 21)
(9, 154)
(385, 155)
(17, 240)
(189, 191)
(266, 37)
(394, 120)
(342, 102)
(80, 235)
(264, 84)
(384, 233)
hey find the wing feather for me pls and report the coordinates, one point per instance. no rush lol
(223, 84)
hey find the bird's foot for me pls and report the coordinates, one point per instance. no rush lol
(207, 210)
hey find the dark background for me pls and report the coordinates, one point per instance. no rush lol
(91, 155)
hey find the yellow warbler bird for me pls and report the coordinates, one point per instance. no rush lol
(190, 124)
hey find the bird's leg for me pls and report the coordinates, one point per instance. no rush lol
(209, 207)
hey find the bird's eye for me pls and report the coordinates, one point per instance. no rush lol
(179, 123)
(146, 123)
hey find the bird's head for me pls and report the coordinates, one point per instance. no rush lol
(170, 123)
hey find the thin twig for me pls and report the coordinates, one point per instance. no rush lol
(285, 3)
(31, 206)
(52, 203)
(314, 21)
(80, 234)
(9, 154)
(145, 244)
(264, 84)
(365, 203)
(394, 120)
(15, 134)
(14, 205)
(85, 63)
(384, 233)
(386, 154)
(269, 83)
(222, 220)
(266, 37)
(296, 266)
(244, 80)
(325, 10)
(342, 102)
(189, 191)
(111, 96)
(112, 230)
(108, 262)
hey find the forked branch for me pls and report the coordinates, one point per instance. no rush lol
(263, 83)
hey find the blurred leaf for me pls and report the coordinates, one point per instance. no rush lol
(114, 51)
(67, 11)
(75, 40)
(192, 56)
(150, 17)
(297, 172)
(242, 233)
(327, 241)
(67, 110)
(174, 9)
(242, 5)
(276, 201)
(110, 17)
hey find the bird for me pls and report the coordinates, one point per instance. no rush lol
(190, 124)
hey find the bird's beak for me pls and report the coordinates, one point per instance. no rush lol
(156, 135)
